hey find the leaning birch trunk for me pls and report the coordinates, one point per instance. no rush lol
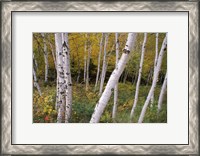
(100, 106)
(60, 101)
(159, 62)
(85, 63)
(67, 77)
(99, 61)
(36, 82)
(103, 72)
(162, 93)
(53, 54)
(88, 67)
(155, 63)
(139, 78)
(116, 86)
(45, 58)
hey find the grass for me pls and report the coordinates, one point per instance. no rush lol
(84, 103)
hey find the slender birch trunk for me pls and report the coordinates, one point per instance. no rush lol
(100, 106)
(60, 99)
(35, 62)
(53, 54)
(67, 77)
(155, 63)
(103, 73)
(85, 62)
(35, 78)
(78, 62)
(88, 66)
(116, 86)
(159, 62)
(162, 93)
(139, 78)
(99, 61)
(45, 57)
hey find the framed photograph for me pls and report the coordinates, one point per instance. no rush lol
(99, 77)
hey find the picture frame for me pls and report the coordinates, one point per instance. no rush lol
(9, 7)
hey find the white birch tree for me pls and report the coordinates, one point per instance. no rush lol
(116, 86)
(104, 67)
(139, 78)
(155, 63)
(60, 99)
(88, 65)
(159, 62)
(100, 106)
(35, 76)
(67, 77)
(99, 61)
(53, 53)
(85, 62)
(45, 57)
(162, 93)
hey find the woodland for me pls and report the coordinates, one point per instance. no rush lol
(100, 77)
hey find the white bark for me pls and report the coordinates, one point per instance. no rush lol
(99, 61)
(88, 66)
(100, 106)
(155, 63)
(60, 102)
(45, 57)
(67, 77)
(139, 78)
(116, 86)
(162, 93)
(85, 62)
(53, 54)
(159, 62)
(36, 82)
(104, 67)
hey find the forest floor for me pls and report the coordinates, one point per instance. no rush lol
(84, 103)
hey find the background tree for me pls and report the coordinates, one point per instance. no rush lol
(139, 77)
(159, 62)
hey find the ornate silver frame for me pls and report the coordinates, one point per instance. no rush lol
(6, 10)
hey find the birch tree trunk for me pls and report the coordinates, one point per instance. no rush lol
(103, 72)
(162, 93)
(159, 62)
(35, 77)
(88, 67)
(155, 63)
(139, 78)
(85, 62)
(45, 57)
(100, 106)
(53, 54)
(67, 77)
(116, 86)
(99, 61)
(78, 62)
(60, 99)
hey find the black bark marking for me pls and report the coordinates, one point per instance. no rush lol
(126, 51)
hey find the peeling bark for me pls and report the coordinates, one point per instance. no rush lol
(60, 99)
(67, 77)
